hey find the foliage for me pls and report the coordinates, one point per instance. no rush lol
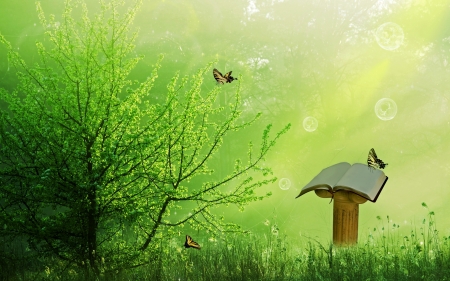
(91, 168)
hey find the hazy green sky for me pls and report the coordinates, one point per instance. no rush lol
(330, 60)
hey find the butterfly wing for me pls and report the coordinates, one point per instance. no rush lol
(382, 164)
(191, 243)
(219, 77)
(372, 159)
(374, 154)
(228, 77)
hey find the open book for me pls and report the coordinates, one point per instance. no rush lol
(357, 178)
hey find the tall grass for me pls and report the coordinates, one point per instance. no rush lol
(383, 255)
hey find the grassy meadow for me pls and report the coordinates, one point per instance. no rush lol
(385, 254)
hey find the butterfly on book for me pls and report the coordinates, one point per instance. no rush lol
(227, 78)
(191, 243)
(374, 162)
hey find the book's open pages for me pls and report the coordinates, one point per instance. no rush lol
(362, 180)
(358, 178)
(330, 176)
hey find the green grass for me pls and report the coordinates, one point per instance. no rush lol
(383, 255)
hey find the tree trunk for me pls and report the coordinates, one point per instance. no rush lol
(92, 218)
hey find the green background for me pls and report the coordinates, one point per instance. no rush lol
(297, 59)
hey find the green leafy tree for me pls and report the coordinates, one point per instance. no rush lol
(91, 167)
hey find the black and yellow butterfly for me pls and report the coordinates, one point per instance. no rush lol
(191, 243)
(374, 162)
(227, 78)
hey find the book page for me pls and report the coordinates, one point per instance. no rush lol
(327, 178)
(362, 180)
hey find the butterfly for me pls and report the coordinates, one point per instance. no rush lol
(191, 243)
(227, 78)
(373, 161)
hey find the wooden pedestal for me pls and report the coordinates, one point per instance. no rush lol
(345, 216)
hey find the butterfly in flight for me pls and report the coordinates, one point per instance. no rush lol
(227, 78)
(373, 161)
(191, 243)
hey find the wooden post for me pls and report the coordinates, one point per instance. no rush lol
(345, 216)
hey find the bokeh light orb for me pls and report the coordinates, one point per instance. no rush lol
(386, 109)
(310, 124)
(389, 36)
(284, 183)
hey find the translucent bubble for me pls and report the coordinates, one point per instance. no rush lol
(386, 109)
(310, 124)
(389, 36)
(284, 183)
